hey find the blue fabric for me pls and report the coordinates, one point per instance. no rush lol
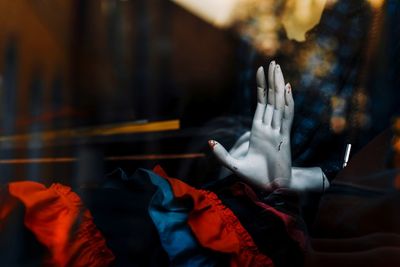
(170, 218)
(120, 210)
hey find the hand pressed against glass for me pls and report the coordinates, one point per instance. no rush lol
(267, 161)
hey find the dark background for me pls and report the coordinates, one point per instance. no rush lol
(70, 64)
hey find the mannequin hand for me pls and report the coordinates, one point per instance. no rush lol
(267, 161)
(303, 179)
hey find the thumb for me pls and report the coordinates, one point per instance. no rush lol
(223, 156)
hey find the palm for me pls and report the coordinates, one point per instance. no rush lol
(273, 169)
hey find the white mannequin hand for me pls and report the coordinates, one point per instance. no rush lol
(303, 179)
(267, 162)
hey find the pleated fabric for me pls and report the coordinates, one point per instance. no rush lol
(216, 227)
(170, 217)
(60, 222)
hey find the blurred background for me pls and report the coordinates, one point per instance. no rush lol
(89, 86)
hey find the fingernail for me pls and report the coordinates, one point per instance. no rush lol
(272, 62)
(289, 88)
(212, 144)
(277, 66)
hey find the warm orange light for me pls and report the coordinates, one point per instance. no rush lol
(376, 3)
(112, 158)
(396, 125)
(338, 124)
(300, 16)
(102, 130)
(216, 12)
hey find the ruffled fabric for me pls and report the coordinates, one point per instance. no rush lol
(170, 218)
(59, 221)
(216, 227)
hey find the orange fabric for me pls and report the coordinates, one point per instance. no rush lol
(216, 227)
(57, 218)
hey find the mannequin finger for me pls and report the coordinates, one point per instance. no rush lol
(277, 119)
(289, 102)
(261, 95)
(259, 113)
(223, 156)
(271, 83)
(289, 110)
(261, 86)
(269, 112)
(279, 88)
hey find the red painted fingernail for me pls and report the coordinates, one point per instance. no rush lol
(212, 144)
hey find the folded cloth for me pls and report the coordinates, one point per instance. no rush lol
(170, 217)
(216, 227)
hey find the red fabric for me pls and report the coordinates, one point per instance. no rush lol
(216, 227)
(57, 218)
